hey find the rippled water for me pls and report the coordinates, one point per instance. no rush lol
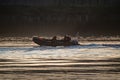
(84, 62)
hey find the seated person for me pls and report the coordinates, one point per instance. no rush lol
(67, 38)
(54, 38)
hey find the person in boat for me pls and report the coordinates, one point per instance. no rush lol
(54, 38)
(67, 38)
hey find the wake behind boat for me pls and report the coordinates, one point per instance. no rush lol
(54, 42)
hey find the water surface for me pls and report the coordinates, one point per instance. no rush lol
(93, 61)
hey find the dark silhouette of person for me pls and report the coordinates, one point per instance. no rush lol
(54, 38)
(67, 38)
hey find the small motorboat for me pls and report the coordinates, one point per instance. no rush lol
(50, 42)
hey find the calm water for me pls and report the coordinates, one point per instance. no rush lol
(84, 62)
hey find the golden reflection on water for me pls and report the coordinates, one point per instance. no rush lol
(88, 62)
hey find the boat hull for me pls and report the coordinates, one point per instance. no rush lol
(49, 42)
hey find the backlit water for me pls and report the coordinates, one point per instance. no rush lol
(91, 61)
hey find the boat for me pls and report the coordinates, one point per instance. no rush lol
(50, 42)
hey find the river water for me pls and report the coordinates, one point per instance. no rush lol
(91, 61)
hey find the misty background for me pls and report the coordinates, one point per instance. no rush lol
(59, 17)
